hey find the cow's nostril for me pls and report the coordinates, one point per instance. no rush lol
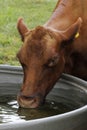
(27, 97)
(31, 97)
(31, 101)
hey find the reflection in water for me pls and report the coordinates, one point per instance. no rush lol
(49, 109)
(10, 112)
(7, 114)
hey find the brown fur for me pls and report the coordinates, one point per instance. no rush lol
(52, 49)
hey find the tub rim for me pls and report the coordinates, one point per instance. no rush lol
(71, 79)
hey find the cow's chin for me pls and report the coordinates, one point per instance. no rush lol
(29, 103)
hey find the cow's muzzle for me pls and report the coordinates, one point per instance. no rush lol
(32, 101)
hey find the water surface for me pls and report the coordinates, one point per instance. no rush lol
(10, 111)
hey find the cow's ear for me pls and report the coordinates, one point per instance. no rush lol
(73, 31)
(22, 28)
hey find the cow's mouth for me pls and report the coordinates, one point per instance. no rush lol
(28, 102)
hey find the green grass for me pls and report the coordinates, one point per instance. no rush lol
(34, 12)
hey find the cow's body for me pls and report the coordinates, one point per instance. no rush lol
(65, 13)
(52, 49)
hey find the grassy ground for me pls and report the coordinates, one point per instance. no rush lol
(34, 12)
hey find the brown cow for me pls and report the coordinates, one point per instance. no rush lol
(60, 45)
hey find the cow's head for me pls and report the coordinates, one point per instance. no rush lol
(42, 59)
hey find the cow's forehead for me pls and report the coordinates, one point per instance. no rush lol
(39, 41)
(40, 33)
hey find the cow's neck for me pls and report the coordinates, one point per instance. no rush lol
(65, 13)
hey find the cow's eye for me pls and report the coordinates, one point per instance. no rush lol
(52, 62)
